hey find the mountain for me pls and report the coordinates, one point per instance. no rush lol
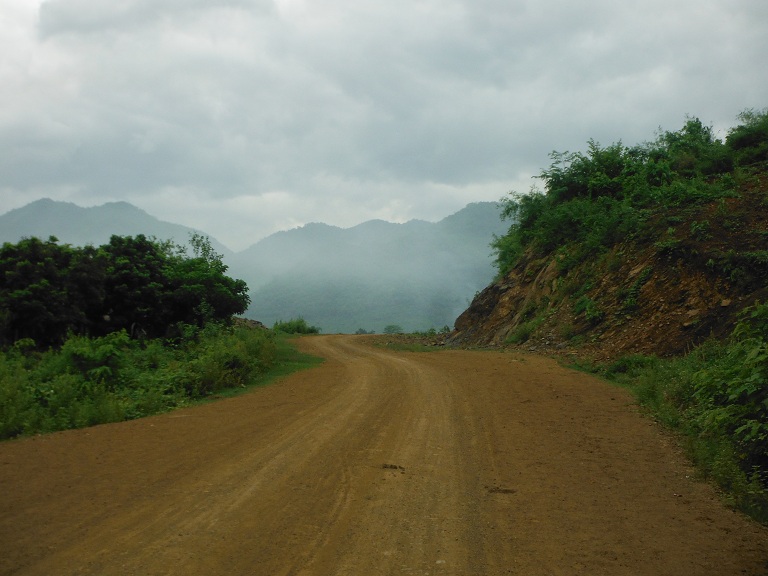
(418, 275)
(78, 226)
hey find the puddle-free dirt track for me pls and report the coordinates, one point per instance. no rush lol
(376, 462)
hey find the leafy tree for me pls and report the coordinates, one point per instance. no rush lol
(599, 172)
(749, 140)
(393, 329)
(152, 286)
(200, 291)
(694, 151)
(136, 284)
(38, 296)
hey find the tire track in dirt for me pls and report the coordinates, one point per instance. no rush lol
(375, 462)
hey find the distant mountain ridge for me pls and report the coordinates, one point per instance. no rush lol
(73, 224)
(418, 275)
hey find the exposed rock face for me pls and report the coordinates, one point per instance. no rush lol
(501, 307)
(640, 296)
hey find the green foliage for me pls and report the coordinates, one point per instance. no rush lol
(600, 172)
(590, 309)
(525, 330)
(594, 200)
(632, 294)
(112, 378)
(135, 284)
(668, 246)
(733, 393)
(47, 289)
(521, 333)
(228, 360)
(694, 151)
(743, 268)
(295, 326)
(701, 230)
(749, 140)
(98, 360)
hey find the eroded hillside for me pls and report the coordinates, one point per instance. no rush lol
(693, 257)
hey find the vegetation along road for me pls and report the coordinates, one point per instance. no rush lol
(375, 462)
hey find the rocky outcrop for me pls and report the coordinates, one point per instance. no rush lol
(659, 294)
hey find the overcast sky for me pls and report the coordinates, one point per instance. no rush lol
(244, 117)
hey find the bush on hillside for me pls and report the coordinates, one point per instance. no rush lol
(599, 198)
(295, 326)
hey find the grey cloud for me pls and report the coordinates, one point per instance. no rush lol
(93, 16)
(357, 105)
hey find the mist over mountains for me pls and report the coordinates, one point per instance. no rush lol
(418, 275)
(78, 226)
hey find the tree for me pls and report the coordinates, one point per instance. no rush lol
(38, 292)
(694, 151)
(200, 291)
(749, 140)
(136, 284)
(393, 329)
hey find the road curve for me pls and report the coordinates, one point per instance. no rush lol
(375, 462)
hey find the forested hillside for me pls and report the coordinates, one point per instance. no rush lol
(630, 255)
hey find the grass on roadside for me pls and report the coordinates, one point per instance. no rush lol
(716, 398)
(288, 359)
(91, 381)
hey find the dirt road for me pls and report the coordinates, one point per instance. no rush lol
(376, 462)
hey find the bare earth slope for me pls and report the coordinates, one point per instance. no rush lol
(376, 462)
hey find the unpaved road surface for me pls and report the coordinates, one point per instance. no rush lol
(376, 462)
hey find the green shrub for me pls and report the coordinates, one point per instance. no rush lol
(16, 396)
(112, 378)
(595, 200)
(590, 309)
(632, 295)
(295, 326)
(732, 395)
(749, 140)
(525, 330)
